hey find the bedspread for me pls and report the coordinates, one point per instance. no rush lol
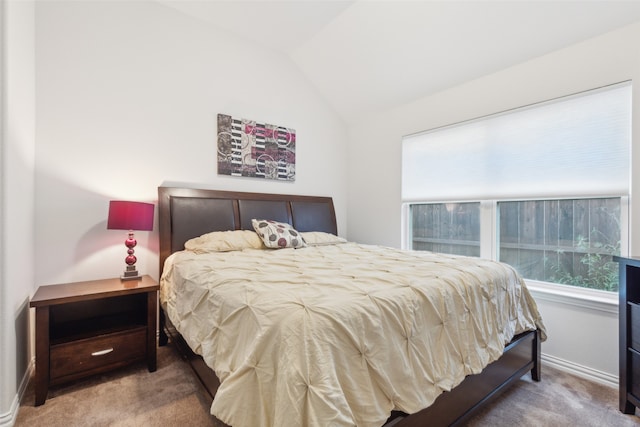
(341, 334)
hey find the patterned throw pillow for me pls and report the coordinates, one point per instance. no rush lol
(277, 235)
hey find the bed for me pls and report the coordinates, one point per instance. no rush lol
(353, 370)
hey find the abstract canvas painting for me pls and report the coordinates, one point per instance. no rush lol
(253, 149)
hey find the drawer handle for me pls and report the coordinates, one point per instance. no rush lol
(102, 352)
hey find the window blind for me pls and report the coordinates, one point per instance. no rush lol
(577, 146)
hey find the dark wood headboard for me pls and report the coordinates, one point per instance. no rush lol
(185, 213)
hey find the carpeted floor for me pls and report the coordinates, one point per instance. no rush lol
(560, 399)
(171, 396)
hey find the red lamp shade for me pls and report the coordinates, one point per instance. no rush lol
(130, 216)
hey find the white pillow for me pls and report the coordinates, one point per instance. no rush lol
(320, 238)
(224, 241)
(277, 235)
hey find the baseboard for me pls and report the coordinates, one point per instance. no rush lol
(8, 419)
(581, 371)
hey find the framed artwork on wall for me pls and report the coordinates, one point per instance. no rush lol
(254, 149)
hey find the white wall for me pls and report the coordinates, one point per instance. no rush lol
(17, 117)
(128, 94)
(375, 184)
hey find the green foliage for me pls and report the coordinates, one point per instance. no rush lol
(599, 272)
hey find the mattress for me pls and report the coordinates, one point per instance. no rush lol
(340, 334)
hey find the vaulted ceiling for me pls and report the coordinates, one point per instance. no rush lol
(371, 55)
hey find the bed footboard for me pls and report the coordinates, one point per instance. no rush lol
(476, 391)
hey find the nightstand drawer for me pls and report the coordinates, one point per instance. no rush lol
(97, 354)
(634, 377)
(634, 325)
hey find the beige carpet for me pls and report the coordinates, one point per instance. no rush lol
(171, 396)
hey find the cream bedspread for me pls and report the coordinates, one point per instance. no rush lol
(340, 334)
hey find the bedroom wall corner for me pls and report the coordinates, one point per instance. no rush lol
(17, 145)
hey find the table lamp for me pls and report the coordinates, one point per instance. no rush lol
(130, 216)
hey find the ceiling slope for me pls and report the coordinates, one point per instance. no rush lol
(368, 56)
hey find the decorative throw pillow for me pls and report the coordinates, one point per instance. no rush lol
(277, 234)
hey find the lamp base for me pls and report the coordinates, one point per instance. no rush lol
(130, 274)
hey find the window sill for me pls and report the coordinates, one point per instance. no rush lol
(570, 295)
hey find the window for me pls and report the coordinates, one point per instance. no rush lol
(452, 228)
(544, 188)
(562, 241)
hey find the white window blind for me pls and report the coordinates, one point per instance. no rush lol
(570, 147)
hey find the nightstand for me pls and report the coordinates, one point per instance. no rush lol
(85, 328)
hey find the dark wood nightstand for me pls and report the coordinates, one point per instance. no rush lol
(629, 333)
(85, 328)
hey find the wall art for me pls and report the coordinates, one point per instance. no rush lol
(253, 149)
